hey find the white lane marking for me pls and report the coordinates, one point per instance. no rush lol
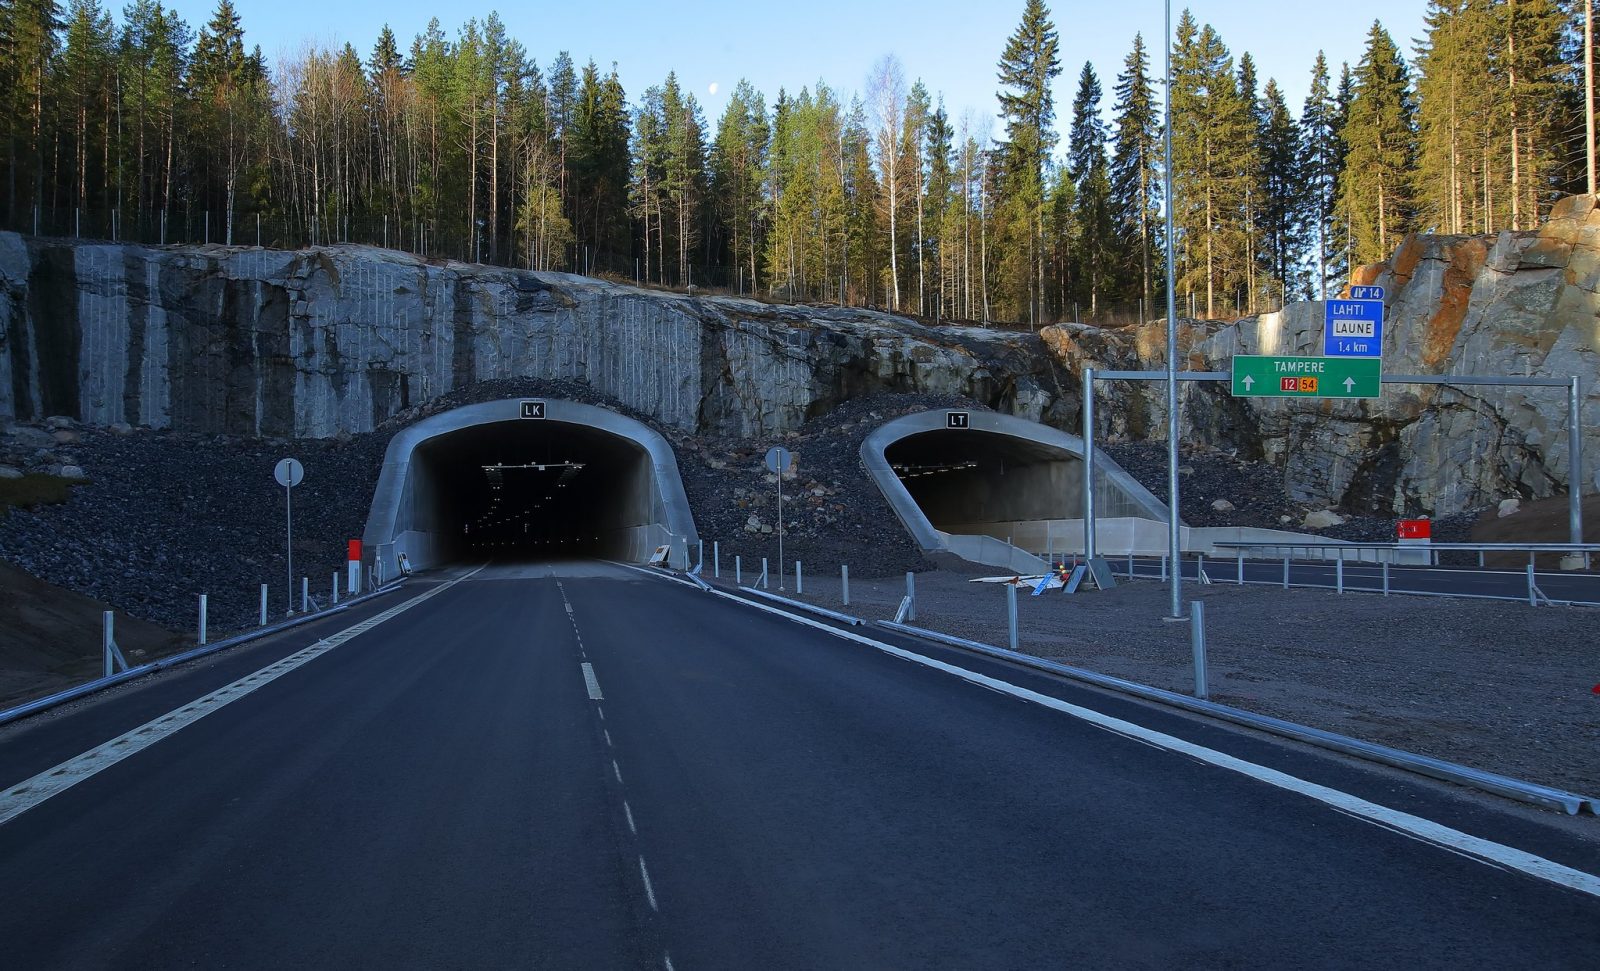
(594, 686)
(600, 711)
(629, 810)
(608, 738)
(25, 795)
(649, 891)
(668, 959)
(616, 771)
(1485, 851)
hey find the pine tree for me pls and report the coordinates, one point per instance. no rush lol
(1375, 192)
(1136, 168)
(1028, 65)
(30, 29)
(87, 73)
(739, 170)
(1213, 153)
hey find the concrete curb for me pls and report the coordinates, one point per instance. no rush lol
(100, 684)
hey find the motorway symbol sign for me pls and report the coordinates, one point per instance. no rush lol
(1306, 377)
(289, 473)
(533, 409)
(1366, 293)
(1352, 328)
(957, 419)
(779, 459)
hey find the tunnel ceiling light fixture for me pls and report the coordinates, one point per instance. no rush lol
(906, 471)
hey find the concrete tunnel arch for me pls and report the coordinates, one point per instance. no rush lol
(537, 477)
(994, 483)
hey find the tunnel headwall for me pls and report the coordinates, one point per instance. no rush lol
(989, 473)
(527, 475)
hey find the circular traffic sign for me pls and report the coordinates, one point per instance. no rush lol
(289, 473)
(779, 459)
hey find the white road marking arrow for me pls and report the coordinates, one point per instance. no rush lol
(1349, 385)
(1248, 381)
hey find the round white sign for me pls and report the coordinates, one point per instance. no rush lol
(779, 459)
(289, 472)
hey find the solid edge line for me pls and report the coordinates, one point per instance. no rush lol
(1446, 837)
(1519, 790)
(29, 793)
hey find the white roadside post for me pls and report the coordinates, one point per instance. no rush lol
(911, 595)
(335, 588)
(844, 582)
(779, 460)
(263, 605)
(799, 578)
(202, 620)
(1011, 614)
(1197, 641)
(716, 559)
(288, 473)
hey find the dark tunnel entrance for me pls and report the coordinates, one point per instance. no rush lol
(979, 482)
(527, 478)
(535, 489)
(951, 476)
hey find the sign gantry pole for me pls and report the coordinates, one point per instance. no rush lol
(1172, 338)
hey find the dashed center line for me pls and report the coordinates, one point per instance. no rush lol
(649, 891)
(629, 810)
(593, 684)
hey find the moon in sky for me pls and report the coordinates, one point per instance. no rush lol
(712, 89)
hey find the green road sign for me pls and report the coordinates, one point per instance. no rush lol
(1306, 377)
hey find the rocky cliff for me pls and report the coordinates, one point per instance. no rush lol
(315, 343)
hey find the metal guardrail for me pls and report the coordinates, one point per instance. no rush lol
(800, 605)
(100, 684)
(1570, 803)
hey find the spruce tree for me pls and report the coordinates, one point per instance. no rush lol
(1028, 65)
(1280, 208)
(1376, 188)
(1136, 168)
(1092, 227)
(1321, 159)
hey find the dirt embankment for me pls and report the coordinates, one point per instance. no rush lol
(50, 637)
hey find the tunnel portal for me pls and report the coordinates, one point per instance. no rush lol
(528, 478)
(953, 474)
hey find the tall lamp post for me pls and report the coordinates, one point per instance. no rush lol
(1172, 340)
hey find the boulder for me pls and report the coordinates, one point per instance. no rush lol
(10, 472)
(1508, 507)
(72, 472)
(65, 436)
(1222, 505)
(1322, 519)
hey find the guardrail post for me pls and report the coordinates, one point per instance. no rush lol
(844, 582)
(716, 559)
(1480, 559)
(1338, 573)
(336, 588)
(911, 594)
(263, 605)
(763, 573)
(1197, 641)
(1163, 568)
(1286, 571)
(799, 579)
(1011, 614)
(107, 638)
(738, 570)
(305, 595)
(1130, 559)
(202, 620)
(1533, 597)
(1385, 578)
(1241, 568)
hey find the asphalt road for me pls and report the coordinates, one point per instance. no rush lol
(576, 766)
(1576, 587)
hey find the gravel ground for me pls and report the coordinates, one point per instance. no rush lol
(1496, 685)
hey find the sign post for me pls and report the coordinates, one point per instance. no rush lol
(779, 460)
(289, 473)
(1256, 376)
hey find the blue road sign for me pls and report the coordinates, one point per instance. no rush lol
(1366, 293)
(1352, 328)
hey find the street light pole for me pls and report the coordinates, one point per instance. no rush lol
(1172, 340)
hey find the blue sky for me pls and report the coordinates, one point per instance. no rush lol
(952, 46)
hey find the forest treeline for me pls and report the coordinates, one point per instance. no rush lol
(463, 146)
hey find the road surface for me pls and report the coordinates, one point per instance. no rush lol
(579, 766)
